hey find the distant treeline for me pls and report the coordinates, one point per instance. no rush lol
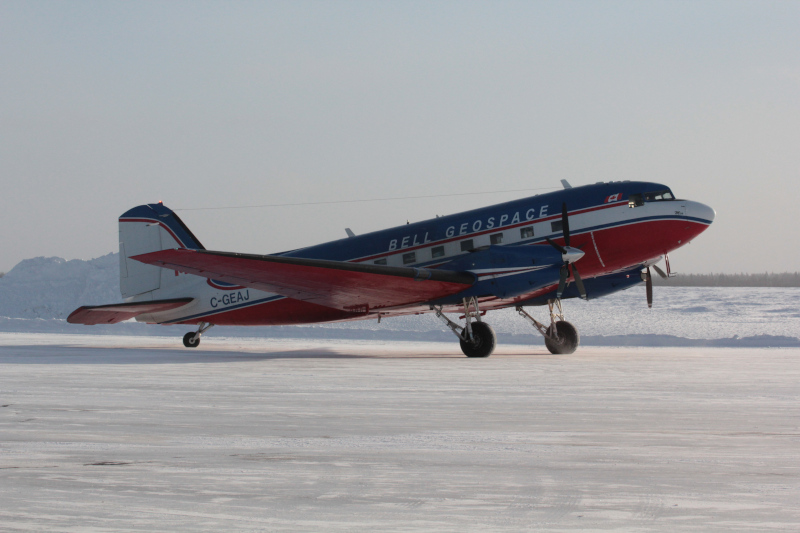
(767, 279)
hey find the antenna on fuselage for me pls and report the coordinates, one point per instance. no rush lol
(566, 184)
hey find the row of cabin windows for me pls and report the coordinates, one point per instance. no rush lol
(467, 245)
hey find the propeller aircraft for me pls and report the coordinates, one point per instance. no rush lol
(585, 242)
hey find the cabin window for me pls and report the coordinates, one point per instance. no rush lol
(635, 200)
(467, 246)
(526, 233)
(497, 238)
(381, 261)
(556, 226)
(410, 257)
(437, 251)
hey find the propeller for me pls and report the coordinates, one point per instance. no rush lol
(660, 272)
(648, 280)
(569, 253)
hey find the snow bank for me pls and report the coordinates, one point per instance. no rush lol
(51, 287)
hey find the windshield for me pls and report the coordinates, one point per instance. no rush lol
(638, 200)
(658, 196)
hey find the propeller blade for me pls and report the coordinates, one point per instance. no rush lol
(660, 272)
(565, 270)
(579, 283)
(562, 282)
(557, 247)
(649, 285)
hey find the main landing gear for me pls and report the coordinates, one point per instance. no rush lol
(192, 339)
(560, 337)
(477, 338)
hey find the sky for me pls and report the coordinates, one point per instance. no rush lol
(108, 105)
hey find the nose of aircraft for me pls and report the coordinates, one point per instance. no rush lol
(702, 211)
(571, 255)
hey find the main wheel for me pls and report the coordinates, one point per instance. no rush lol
(568, 339)
(484, 344)
(189, 341)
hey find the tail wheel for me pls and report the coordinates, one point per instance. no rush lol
(189, 340)
(484, 341)
(567, 341)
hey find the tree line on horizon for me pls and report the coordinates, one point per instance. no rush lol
(766, 279)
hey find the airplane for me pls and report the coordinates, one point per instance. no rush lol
(522, 253)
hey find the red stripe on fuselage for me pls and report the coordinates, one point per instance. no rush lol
(282, 312)
(626, 245)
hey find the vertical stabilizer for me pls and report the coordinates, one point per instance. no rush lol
(143, 229)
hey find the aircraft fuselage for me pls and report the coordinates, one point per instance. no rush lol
(618, 226)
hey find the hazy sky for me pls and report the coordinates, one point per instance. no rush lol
(107, 105)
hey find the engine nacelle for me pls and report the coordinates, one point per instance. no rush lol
(508, 271)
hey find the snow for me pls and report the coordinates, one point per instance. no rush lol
(38, 294)
(108, 433)
(51, 287)
(690, 312)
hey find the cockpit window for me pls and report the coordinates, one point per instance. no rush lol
(658, 196)
(637, 200)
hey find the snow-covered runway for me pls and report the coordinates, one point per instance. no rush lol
(133, 433)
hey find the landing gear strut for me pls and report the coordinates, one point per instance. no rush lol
(192, 339)
(477, 338)
(560, 337)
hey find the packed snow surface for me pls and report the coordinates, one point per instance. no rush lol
(106, 433)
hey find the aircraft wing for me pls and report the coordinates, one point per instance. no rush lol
(113, 313)
(353, 287)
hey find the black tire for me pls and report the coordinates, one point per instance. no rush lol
(568, 339)
(189, 340)
(485, 341)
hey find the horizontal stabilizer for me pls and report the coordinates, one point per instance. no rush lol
(356, 287)
(113, 313)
